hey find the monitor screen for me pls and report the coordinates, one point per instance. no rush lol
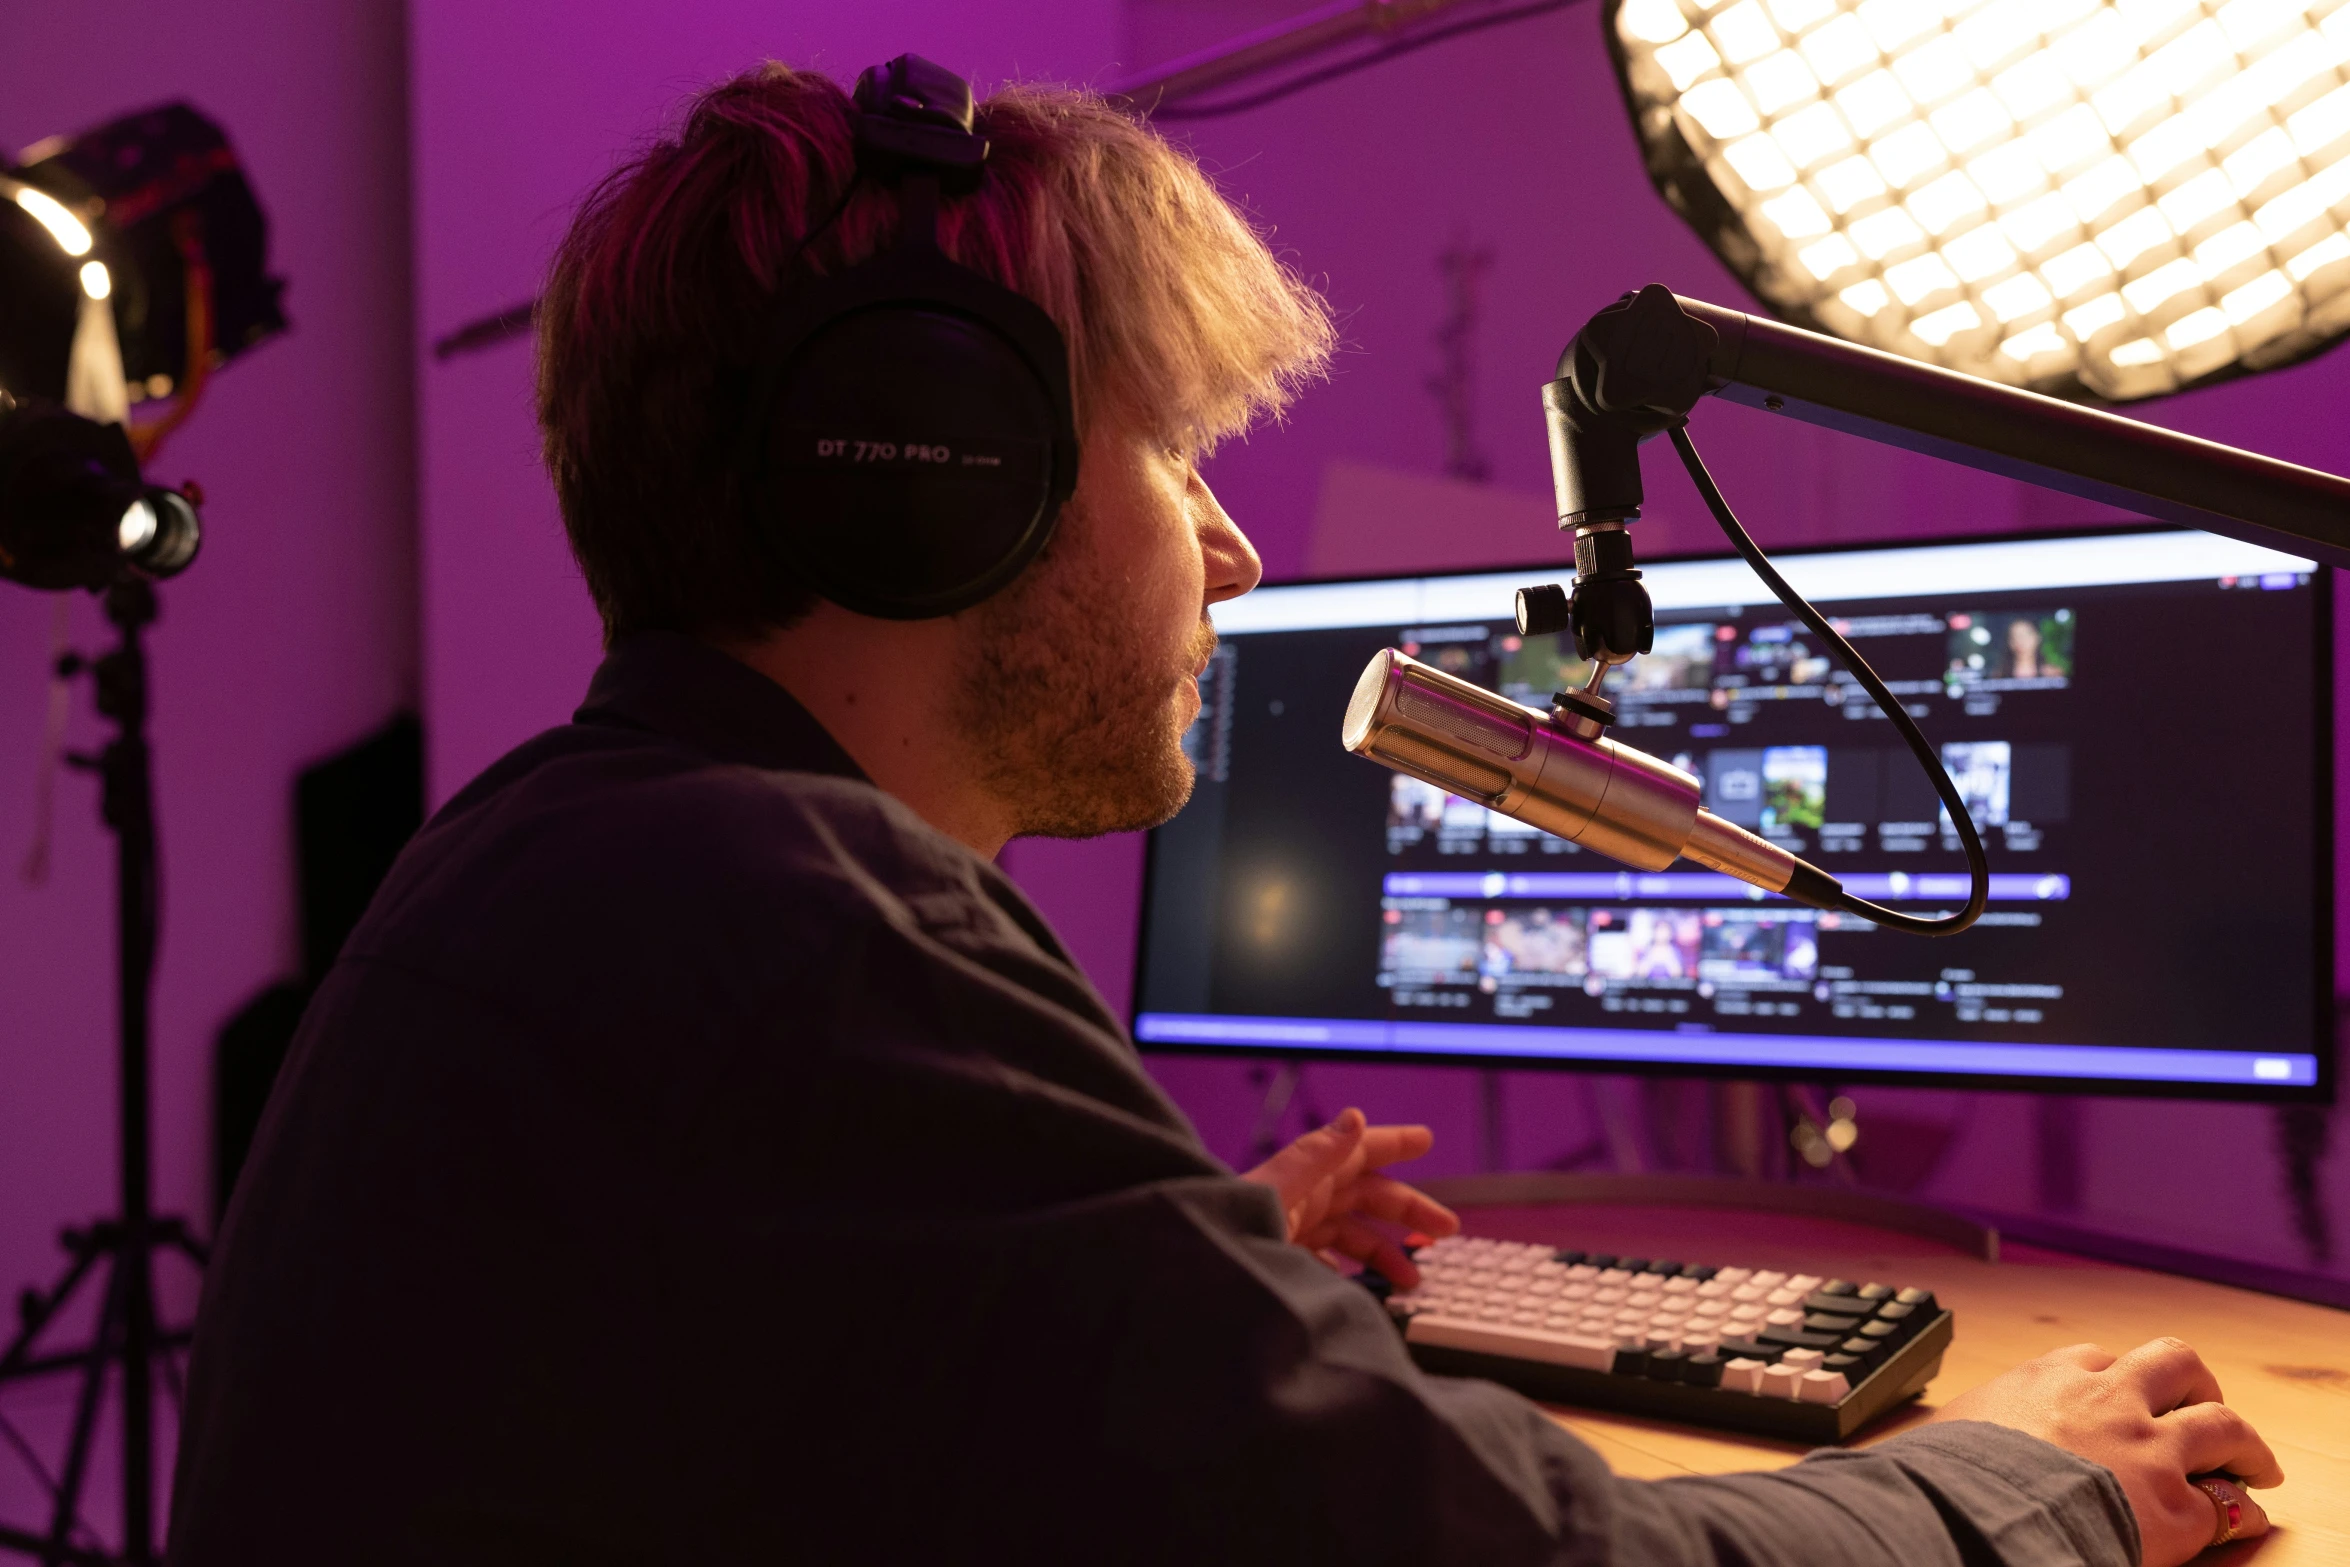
(2139, 721)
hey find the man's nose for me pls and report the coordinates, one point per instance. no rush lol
(1233, 566)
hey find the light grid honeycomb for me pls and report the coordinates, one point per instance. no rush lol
(2120, 198)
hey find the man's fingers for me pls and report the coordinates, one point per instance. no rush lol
(1308, 1204)
(2196, 1515)
(1334, 1141)
(1385, 1145)
(1327, 1147)
(1349, 1143)
(1324, 1170)
(1319, 1153)
(1381, 1197)
(1353, 1238)
(2089, 1357)
(2252, 1519)
(2214, 1439)
(2170, 1374)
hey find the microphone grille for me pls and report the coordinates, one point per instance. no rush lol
(1463, 723)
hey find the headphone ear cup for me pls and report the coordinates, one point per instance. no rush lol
(909, 469)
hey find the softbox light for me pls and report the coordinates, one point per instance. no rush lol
(2116, 200)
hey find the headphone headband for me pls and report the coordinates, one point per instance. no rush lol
(913, 116)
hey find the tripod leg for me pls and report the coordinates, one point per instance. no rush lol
(105, 1344)
(168, 1363)
(1265, 1140)
(32, 1460)
(40, 1308)
(135, 1269)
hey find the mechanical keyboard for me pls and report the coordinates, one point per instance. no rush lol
(1754, 1349)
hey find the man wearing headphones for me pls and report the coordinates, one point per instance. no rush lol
(701, 1153)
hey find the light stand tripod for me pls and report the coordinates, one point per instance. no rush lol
(119, 1250)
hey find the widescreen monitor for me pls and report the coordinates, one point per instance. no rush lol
(2140, 722)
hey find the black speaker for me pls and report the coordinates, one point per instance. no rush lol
(353, 813)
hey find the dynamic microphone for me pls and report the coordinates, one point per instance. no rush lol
(1529, 765)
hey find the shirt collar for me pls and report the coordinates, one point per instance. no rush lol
(688, 690)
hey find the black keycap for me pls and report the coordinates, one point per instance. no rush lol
(1838, 1287)
(1867, 1349)
(1601, 1259)
(1907, 1318)
(1828, 1322)
(1850, 1365)
(1570, 1258)
(1665, 1365)
(1693, 1271)
(1796, 1338)
(1748, 1349)
(1631, 1363)
(1875, 1292)
(1882, 1332)
(1665, 1269)
(1640, 1265)
(1702, 1370)
(1923, 1300)
(1849, 1307)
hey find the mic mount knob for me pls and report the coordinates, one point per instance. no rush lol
(1544, 609)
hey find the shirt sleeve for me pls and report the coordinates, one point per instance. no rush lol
(1400, 1465)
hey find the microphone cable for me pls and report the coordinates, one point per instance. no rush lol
(1978, 865)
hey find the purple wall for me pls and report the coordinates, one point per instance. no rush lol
(293, 635)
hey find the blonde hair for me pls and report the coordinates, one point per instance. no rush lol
(1177, 316)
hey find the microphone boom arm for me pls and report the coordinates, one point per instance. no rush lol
(2023, 435)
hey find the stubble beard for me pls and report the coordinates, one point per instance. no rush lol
(1067, 726)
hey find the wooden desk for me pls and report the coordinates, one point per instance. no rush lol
(2285, 1364)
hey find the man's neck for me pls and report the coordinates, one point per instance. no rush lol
(880, 688)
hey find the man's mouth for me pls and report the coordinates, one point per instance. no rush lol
(1207, 651)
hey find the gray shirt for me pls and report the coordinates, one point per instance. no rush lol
(694, 1157)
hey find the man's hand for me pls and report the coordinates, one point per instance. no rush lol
(2153, 1417)
(1331, 1189)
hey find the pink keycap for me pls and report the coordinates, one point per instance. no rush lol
(1562, 1349)
(1822, 1387)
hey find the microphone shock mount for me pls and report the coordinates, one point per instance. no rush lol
(1634, 372)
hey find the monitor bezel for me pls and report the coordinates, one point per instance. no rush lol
(2326, 1005)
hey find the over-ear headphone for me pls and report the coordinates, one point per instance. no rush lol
(910, 437)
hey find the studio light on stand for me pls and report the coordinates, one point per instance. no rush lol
(74, 511)
(131, 267)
